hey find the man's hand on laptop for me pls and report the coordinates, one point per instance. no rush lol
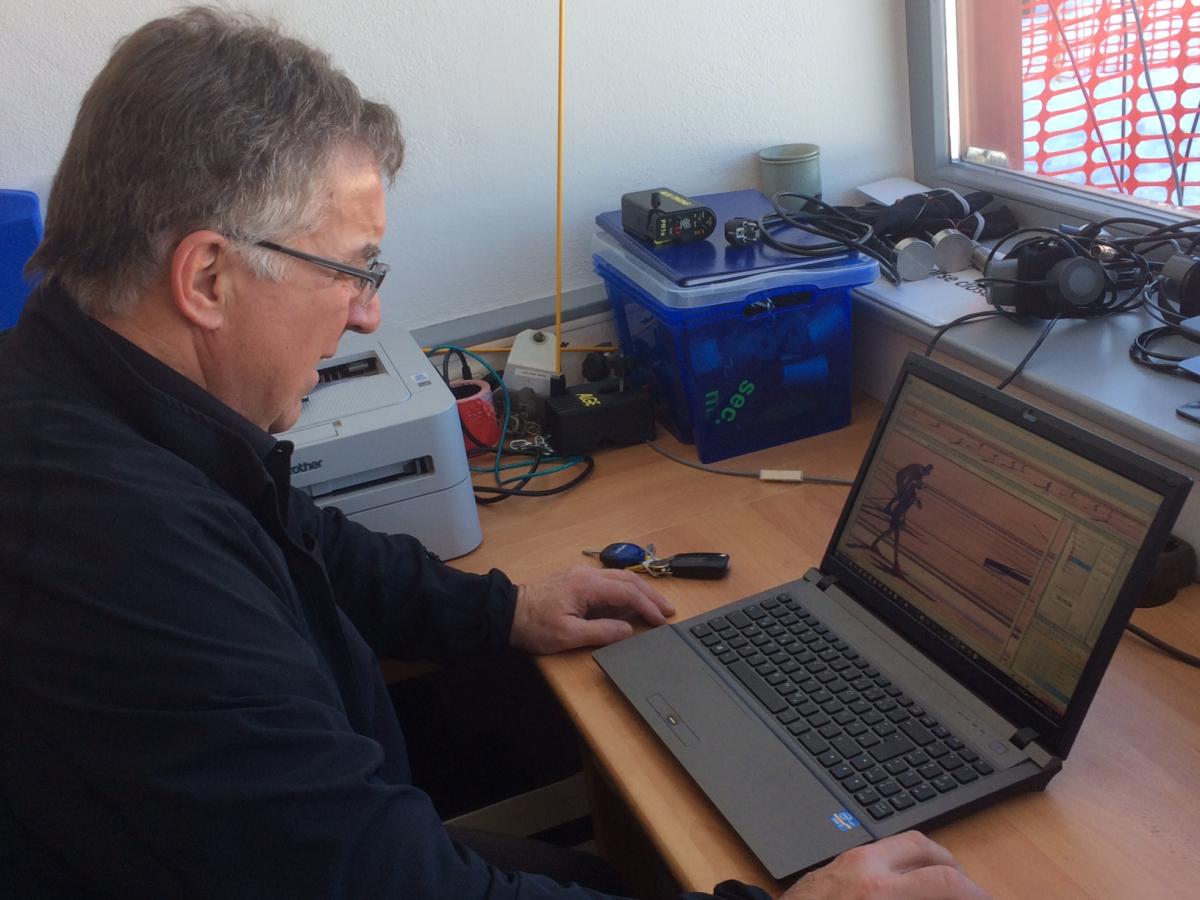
(584, 607)
(906, 866)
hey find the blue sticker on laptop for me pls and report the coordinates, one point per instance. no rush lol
(843, 820)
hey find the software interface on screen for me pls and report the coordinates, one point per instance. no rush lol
(1010, 547)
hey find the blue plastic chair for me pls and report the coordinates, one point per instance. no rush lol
(20, 232)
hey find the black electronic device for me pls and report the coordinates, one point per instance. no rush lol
(595, 366)
(741, 232)
(1180, 284)
(1045, 278)
(592, 413)
(663, 216)
(1173, 299)
(1174, 568)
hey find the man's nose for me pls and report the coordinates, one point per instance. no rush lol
(364, 319)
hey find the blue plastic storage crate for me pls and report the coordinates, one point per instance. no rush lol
(20, 232)
(742, 364)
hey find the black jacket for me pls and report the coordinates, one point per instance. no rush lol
(190, 704)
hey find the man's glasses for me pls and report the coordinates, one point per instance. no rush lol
(369, 279)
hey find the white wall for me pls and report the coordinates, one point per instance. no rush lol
(677, 93)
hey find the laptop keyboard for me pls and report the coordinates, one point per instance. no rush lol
(888, 752)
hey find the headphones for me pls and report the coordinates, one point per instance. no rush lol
(1051, 274)
(1179, 284)
(1084, 272)
(1173, 300)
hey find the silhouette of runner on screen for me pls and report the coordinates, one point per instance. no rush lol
(909, 480)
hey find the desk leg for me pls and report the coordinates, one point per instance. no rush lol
(621, 840)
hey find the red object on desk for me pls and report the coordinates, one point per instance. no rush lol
(477, 413)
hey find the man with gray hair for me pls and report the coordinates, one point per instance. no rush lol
(189, 697)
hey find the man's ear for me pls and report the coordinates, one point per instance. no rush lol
(200, 278)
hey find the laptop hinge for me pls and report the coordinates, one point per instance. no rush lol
(1023, 737)
(1034, 751)
(823, 582)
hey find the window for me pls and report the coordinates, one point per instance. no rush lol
(1083, 106)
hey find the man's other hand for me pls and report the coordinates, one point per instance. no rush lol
(584, 607)
(906, 866)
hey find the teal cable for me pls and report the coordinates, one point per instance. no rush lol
(497, 467)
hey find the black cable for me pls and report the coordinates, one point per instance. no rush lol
(1156, 309)
(1125, 148)
(871, 230)
(1181, 655)
(503, 493)
(1156, 227)
(1021, 365)
(1187, 151)
(961, 320)
(1087, 101)
(462, 358)
(1156, 237)
(589, 465)
(1162, 120)
(841, 232)
(1052, 234)
(1166, 363)
(741, 473)
(1159, 235)
(992, 314)
(508, 492)
(480, 446)
(715, 470)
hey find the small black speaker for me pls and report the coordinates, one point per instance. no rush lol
(1175, 568)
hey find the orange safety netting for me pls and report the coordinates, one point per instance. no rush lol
(1109, 134)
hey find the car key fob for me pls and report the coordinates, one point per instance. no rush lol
(698, 565)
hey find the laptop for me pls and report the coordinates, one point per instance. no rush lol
(943, 656)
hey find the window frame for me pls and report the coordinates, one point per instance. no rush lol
(1035, 200)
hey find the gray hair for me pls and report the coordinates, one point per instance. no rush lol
(203, 120)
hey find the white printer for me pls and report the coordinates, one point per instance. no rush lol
(379, 438)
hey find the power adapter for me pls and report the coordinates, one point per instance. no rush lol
(589, 414)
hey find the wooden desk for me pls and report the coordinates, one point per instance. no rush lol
(1122, 820)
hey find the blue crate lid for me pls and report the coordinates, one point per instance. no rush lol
(712, 260)
(674, 301)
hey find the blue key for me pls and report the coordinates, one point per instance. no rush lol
(621, 556)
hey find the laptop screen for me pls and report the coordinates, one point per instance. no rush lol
(1008, 547)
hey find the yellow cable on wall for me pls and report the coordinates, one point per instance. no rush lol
(558, 224)
(559, 203)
